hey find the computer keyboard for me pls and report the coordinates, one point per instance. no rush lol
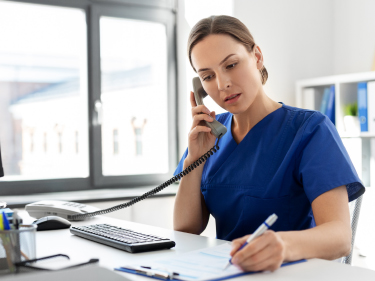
(121, 238)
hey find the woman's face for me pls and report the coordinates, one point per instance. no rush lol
(229, 73)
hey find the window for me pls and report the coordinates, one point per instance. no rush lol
(48, 124)
(115, 142)
(45, 142)
(138, 132)
(60, 142)
(31, 141)
(44, 82)
(76, 138)
(133, 93)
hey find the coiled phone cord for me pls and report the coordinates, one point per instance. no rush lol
(190, 168)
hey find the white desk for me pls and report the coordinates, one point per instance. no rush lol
(79, 249)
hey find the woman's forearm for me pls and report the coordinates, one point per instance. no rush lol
(190, 214)
(330, 241)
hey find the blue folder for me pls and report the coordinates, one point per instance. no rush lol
(130, 270)
(362, 106)
(330, 110)
(323, 105)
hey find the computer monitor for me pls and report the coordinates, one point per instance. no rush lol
(1, 166)
(2, 204)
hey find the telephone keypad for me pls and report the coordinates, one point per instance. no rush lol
(75, 205)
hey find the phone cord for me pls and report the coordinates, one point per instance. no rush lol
(190, 168)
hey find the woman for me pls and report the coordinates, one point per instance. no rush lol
(273, 159)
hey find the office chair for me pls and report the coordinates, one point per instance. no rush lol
(355, 208)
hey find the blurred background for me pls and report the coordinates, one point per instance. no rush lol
(94, 95)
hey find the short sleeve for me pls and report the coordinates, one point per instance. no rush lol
(324, 162)
(180, 165)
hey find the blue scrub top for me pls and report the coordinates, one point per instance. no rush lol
(285, 161)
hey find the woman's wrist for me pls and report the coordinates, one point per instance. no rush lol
(288, 251)
(188, 161)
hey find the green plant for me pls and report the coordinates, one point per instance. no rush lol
(351, 109)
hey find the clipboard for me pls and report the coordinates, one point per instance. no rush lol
(146, 273)
(160, 275)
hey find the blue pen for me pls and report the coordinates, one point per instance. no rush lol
(260, 230)
(5, 222)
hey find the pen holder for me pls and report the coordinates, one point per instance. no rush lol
(16, 245)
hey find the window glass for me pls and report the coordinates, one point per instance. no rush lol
(43, 91)
(134, 97)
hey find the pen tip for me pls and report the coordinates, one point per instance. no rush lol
(226, 266)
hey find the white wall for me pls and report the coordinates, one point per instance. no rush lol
(295, 37)
(354, 36)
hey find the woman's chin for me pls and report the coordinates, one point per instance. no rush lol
(235, 110)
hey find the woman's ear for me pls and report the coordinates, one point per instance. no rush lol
(258, 57)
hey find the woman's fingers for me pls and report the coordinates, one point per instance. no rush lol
(267, 263)
(237, 243)
(252, 255)
(263, 253)
(200, 138)
(201, 117)
(198, 129)
(197, 109)
(192, 100)
(255, 246)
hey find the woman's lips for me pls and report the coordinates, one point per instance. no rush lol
(232, 98)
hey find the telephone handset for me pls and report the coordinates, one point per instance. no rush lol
(75, 211)
(217, 129)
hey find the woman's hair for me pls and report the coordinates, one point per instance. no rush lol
(223, 25)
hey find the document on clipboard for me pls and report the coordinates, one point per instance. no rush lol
(204, 264)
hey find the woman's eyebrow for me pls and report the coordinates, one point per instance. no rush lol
(224, 60)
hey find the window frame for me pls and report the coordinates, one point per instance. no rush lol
(162, 11)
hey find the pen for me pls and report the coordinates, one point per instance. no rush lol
(260, 230)
(16, 219)
(17, 245)
(1, 223)
(6, 225)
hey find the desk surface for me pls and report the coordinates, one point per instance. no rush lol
(79, 249)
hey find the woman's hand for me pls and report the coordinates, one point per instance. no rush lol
(266, 252)
(200, 139)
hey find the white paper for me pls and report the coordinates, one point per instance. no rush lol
(204, 264)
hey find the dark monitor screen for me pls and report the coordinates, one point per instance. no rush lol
(1, 166)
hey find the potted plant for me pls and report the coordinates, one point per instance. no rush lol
(351, 121)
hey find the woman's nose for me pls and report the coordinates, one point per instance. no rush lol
(223, 82)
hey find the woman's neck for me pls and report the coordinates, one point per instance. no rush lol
(245, 121)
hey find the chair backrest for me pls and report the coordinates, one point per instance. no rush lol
(355, 208)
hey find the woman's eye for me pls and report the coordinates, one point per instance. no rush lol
(231, 65)
(206, 78)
